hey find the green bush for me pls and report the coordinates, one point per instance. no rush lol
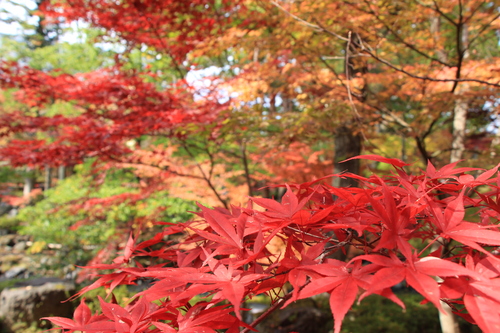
(9, 223)
(50, 220)
(376, 314)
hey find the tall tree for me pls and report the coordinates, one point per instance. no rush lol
(317, 73)
(332, 75)
(317, 61)
(36, 35)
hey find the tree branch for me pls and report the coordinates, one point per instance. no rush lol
(271, 309)
(298, 19)
(440, 12)
(324, 29)
(425, 78)
(207, 180)
(348, 79)
(486, 26)
(247, 171)
(410, 46)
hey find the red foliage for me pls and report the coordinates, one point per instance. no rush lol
(226, 256)
(174, 27)
(113, 106)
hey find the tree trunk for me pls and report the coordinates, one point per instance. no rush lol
(461, 105)
(29, 183)
(448, 320)
(61, 172)
(459, 125)
(47, 184)
(435, 31)
(494, 145)
(347, 144)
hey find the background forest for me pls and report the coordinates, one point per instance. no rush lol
(117, 117)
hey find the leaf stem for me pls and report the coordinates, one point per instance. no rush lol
(266, 313)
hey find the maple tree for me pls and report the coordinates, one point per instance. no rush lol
(409, 69)
(225, 254)
(310, 73)
(303, 78)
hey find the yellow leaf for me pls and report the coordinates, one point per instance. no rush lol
(37, 247)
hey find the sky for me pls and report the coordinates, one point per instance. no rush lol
(9, 10)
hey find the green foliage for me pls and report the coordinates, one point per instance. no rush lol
(9, 223)
(70, 58)
(122, 294)
(28, 327)
(8, 174)
(74, 201)
(376, 314)
(379, 315)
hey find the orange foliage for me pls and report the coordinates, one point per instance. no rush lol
(294, 163)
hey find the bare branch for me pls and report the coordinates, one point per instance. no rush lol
(391, 117)
(247, 171)
(410, 46)
(426, 78)
(483, 29)
(271, 309)
(440, 12)
(139, 163)
(205, 177)
(324, 29)
(348, 77)
(295, 17)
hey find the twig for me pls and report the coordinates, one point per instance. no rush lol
(324, 29)
(486, 26)
(440, 12)
(271, 309)
(247, 171)
(138, 163)
(408, 45)
(348, 77)
(207, 180)
(298, 19)
(306, 233)
(426, 78)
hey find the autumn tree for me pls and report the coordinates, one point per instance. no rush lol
(225, 255)
(35, 35)
(293, 79)
(373, 60)
(313, 69)
(412, 68)
(120, 118)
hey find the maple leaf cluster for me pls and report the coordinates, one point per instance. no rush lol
(174, 27)
(112, 105)
(226, 255)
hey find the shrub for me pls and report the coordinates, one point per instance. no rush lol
(402, 227)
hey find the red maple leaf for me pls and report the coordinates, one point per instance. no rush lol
(417, 273)
(83, 320)
(450, 224)
(481, 296)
